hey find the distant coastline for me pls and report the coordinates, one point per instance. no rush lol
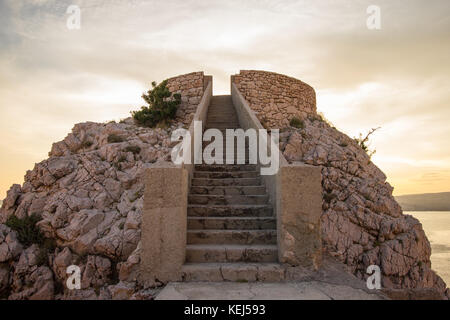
(425, 202)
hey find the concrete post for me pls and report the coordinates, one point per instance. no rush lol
(299, 207)
(164, 224)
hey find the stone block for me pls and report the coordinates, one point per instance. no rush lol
(299, 207)
(164, 224)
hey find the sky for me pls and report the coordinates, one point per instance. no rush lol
(395, 77)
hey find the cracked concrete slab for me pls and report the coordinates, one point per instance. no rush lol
(310, 290)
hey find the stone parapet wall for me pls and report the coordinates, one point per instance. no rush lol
(191, 87)
(164, 224)
(275, 98)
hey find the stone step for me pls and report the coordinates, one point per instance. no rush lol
(229, 190)
(229, 223)
(237, 272)
(242, 237)
(231, 253)
(227, 152)
(222, 154)
(227, 119)
(227, 200)
(226, 167)
(224, 130)
(223, 117)
(227, 182)
(222, 125)
(226, 175)
(230, 211)
(222, 161)
(226, 147)
(219, 116)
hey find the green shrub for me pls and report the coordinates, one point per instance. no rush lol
(363, 142)
(87, 144)
(162, 106)
(133, 149)
(27, 231)
(297, 123)
(42, 258)
(114, 138)
(328, 197)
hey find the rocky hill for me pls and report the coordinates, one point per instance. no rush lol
(362, 224)
(88, 198)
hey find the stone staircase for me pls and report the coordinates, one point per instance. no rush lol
(231, 232)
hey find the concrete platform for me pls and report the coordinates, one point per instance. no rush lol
(309, 290)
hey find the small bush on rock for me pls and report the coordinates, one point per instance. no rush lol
(114, 138)
(363, 142)
(161, 109)
(27, 231)
(133, 149)
(297, 123)
(87, 144)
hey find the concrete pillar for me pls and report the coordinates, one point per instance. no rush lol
(164, 224)
(299, 207)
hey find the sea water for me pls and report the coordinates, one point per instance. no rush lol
(437, 228)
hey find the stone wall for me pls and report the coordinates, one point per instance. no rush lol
(191, 87)
(164, 224)
(275, 98)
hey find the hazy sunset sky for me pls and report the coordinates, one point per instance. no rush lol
(397, 77)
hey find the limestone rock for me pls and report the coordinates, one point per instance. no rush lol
(31, 281)
(362, 224)
(122, 290)
(96, 273)
(10, 246)
(4, 279)
(89, 194)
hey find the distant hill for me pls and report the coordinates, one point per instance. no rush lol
(425, 202)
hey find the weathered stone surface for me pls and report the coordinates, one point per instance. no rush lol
(263, 291)
(129, 270)
(29, 280)
(12, 195)
(10, 247)
(89, 194)
(191, 87)
(164, 223)
(62, 261)
(122, 291)
(298, 214)
(275, 98)
(361, 222)
(96, 272)
(4, 279)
